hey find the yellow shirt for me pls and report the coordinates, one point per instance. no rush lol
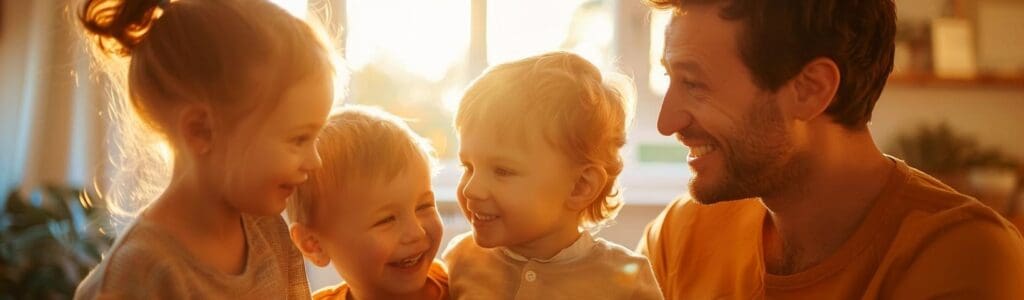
(920, 240)
(437, 276)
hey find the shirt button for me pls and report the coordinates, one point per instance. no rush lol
(531, 276)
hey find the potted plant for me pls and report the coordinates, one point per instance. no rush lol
(49, 240)
(958, 161)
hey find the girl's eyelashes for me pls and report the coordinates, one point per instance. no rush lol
(384, 221)
(424, 206)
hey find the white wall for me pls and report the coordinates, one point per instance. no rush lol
(50, 122)
(995, 116)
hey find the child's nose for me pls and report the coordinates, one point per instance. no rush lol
(312, 161)
(473, 188)
(413, 231)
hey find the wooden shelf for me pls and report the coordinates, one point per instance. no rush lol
(981, 81)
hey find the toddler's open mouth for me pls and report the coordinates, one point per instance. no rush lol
(408, 262)
(483, 218)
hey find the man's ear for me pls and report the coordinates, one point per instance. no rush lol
(815, 88)
(195, 127)
(308, 244)
(588, 187)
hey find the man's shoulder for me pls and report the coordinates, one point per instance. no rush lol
(684, 213)
(686, 225)
(933, 208)
(950, 238)
(973, 258)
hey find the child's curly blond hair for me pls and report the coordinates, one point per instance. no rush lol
(359, 145)
(583, 114)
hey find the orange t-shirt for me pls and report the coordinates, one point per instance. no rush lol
(437, 276)
(1018, 221)
(920, 240)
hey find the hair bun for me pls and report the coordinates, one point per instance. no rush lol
(123, 21)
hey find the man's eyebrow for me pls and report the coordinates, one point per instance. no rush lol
(686, 65)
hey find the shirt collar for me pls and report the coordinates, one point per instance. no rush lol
(578, 249)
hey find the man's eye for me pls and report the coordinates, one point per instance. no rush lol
(692, 84)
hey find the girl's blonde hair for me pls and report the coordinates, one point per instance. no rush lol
(360, 145)
(581, 111)
(235, 57)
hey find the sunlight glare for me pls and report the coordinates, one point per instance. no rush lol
(298, 8)
(424, 37)
(521, 28)
(658, 80)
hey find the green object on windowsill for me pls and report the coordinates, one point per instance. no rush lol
(662, 153)
(49, 240)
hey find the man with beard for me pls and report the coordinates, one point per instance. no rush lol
(790, 196)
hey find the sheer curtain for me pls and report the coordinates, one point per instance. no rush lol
(51, 121)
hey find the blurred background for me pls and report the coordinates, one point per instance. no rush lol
(954, 106)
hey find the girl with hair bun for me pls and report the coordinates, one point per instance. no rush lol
(216, 109)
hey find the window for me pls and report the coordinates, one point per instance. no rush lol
(298, 8)
(658, 80)
(412, 58)
(520, 28)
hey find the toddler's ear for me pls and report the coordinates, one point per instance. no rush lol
(308, 244)
(588, 187)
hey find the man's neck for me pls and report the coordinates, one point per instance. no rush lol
(811, 219)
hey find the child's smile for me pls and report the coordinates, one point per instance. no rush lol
(514, 194)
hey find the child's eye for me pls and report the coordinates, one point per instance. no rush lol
(502, 172)
(384, 221)
(301, 140)
(424, 206)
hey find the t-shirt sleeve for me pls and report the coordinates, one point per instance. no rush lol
(652, 243)
(971, 260)
(647, 285)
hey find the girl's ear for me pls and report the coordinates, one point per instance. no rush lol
(588, 187)
(195, 125)
(308, 244)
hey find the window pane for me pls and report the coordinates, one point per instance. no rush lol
(424, 38)
(407, 56)
(521, 28)
(658, 80)
(297, 8)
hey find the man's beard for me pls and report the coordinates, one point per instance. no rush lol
(760, 160)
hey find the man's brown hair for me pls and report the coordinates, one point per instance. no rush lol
(780, 37)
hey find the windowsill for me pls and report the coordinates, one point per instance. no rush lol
(641, 183)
